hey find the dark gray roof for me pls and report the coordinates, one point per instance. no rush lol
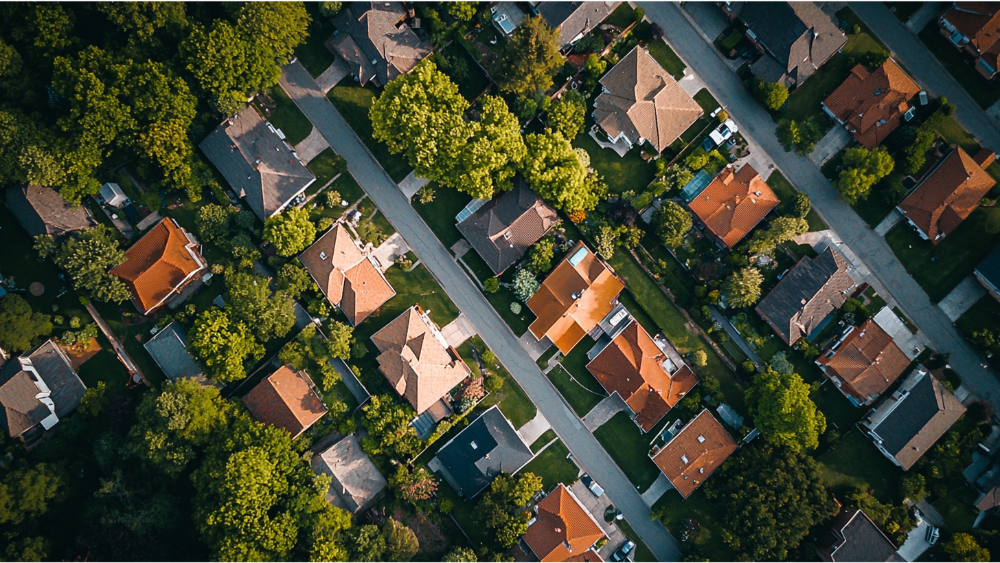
(574, 18)
(356, 480)
(521, 212)
(918, 419)
(169, 350)
(484, 449)
(42, 211)
(18, 388)
(989, 268)
(375, 41)
(863, 541)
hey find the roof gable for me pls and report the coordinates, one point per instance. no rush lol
(733, 204)
(488, 446)
(573, 19)
(694, 453)
(355, 479)
(798, 35)
(286, 399)
(43, 211)
(562, 527)
(868, 361)
(376, 43)
(948, 195)
(19, 390)
(872, 103)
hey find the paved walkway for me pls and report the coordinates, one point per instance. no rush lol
(888, 223)
(604, 411)
(755, 123)
(534, 348)
(311, 146)
(458, 331)
(962, 297)
(412, 184)
(926, 13)
(534, 428)
(333, 75)
(735, 336)
(497, 335)
(831, 143)
(656, 490)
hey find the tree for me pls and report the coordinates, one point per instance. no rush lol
(540, 255)
(605, 240)
(87, 257)
(800, 205)
(671, 222)
(802, 137)
(225, 62)
(20, 327)
(501, 509)
(223, 345)
(460, 555)
(141, 20)
(555, 172)
(279, 26)
(677, 176)
(338, 340)
(529, 59)
(567, 114)
(779, 230)
(524, 285)
(862, 169)
(400, 542)
(251, 301)
(413, 486)
(491, 285)
(390, 434)
(366, 543)
(742, 289)
(492, 154)
(212, 222)
(93, 400)
(915, 154)
(462, 11)
(896, 520)
(25, 493)
(330, 9)
(294, 280)
(771, 94)
(41, 168)
(700, 358)
(291, 231)
(963, 547)
(783, 412)
(769, 497)
(10, 60)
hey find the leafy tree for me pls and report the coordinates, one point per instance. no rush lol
(606, 239)
(771, 94)
(279, 26)
(87, 257)
(294, 280)
(390, 434)
(10, 60)
(862, 169)
(540, 255)
(784, 413)
(501, 509)
(895, 520)
(491, 285)
(779, 230)
(567, 114)
(45, 246)
(212, 222)
(223, 345)
(413, 486)
(742, 289)
(677, 176)
(270, 315)
(460, 555)
(671, 222)
(400, 542)
(41, 168)
(492, 155)
(25, 493)
(529, 59)
(94, 400)
(462, 11)
(915, 154)
(20, 327)
(46, 27)
(802, 137)
(555, 172)
(366, 543)
(141, 20)
(799, 206)
(963, 547)
(330, 9)
(780, 363)
(339, 338)
(291, 231)
(700, 358)
(225, 62)
(524, 285)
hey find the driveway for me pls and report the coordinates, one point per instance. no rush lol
(831, 143)
(497, 335)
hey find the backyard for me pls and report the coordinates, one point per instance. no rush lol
(629, 447)
(513, 401)
(840, 469)
(353, 103)
(960, 66)
(676, 512)
(621, 173)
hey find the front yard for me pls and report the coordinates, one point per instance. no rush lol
(985, 314)
(629, 447)
(513, 401)
(667, 58)
(287, 116)
(579, 396)
(554, 467)
(675, 513)
(440, 213)
(960, 66)
(313, 54)
(353, 103)
(325, 166)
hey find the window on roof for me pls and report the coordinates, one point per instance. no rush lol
(701, 439)
(684, 458)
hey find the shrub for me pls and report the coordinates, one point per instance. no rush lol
(491, 285)
(515, 308)
(493, 382)
(524, 285)
(700, 358)
(771, 94)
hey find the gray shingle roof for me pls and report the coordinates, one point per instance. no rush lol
(356, 480)
(18, 390)
(863, 541)
(169, 350)
(574, 18)
(989, 268)
(42, 211)
(375, 44)
(484, 449)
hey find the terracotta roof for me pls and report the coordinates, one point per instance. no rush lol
(576, 296)
(376, 43)
(642, 100)
(563, 528)
(948, 195)
(574, 19)
(21, 411)
(872, 103)
(286, 399)
(416, 360)
(160, 264)
(868, 361)
(589, 556)
(733, 204)
(694, 453)
(43, 211)
(346, 275)
(633, 366)
(980, 22)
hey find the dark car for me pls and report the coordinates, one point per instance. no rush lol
(621, 554)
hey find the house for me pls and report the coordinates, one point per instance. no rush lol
(863, 363)
(988, 273)
(375, 41)
(949, 194)
(575, 297)
(807, 293)
(907, 424)
(258, 162)
(42, 211)
(348, 275)
(502, 230)
(694, 453)
(485, 448)
(640, 102)
(871, 105)
(356, 483)
(974, 27)
(507, 16)
(573, 20)
(286, 399)
(157, 267)
(168, 348)
(988, 484)
(113, 195)
(417, 360)
(852, 536)
(648, 374)
(562, 529)
(796, 38)
(37, 389)
(733, 203)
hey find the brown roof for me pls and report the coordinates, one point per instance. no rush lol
(633, 366)
(642, 100)
(416, 360)
(43, 211)
(694, 453)
(990, 499)
(872, 103)
(980, 22)
(868, 361)
(563, 529)
(160, 264)
(948, 195)
(286, 399)
(576, 296)
(733, 204)
(376, 42)
(346, 275)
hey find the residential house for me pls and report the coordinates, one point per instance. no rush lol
(806, 294)
(573, 20)
(574, 298)
(907, 424)
(376, 42)
(796, 38)
(37, 389)
(507, 16)
(988, 273)
(168, 348)
(872, 104)
(852, 536)
(417, 361)
(286, 399)
(562, 529)
(42, 211)
(649, 374)
(258, 162)
(988, 484)
(863, 363)
(949, 194)
(503, 229)
(347, 274)
(692, 454)
(113, 195)
(160, 265)
(733, 203)
(356, 483)
(640, 102)
(485, 448)
(974, 27)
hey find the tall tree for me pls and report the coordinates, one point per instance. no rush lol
(554, 170)
(672, 222)
(291, 231)
(964, 547)
(862, 169)
(390, 434)
(268, 314)
(20, 327)
(783, 412)
(279, 26)
(224, 62)
(414, 486)
(529, 59)
(742, 289)
(140, 21)
(87, 257)
(567, 114)
(400, 542)
(492, 155)
(223, 345)
(501, 509)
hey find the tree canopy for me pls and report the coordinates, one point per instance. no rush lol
(20, 326)
(501, 508)
(291, 232)
(529, 59)
(556, 173)
(742, 289)
(862, 169)
(223, 345)
(672, 222)
(251, 302)
(783, 412)
(87, 257)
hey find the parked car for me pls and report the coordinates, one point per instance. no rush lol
(932, 535)
(592, 485)
(723, 132)
(621, 554)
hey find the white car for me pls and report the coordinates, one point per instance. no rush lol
(723, 132)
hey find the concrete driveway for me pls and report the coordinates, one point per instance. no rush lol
(831, 143)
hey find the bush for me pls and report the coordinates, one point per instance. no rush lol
(771, 94)
(731, 40)
(697, 159)
(491, 285)
(493, 382)
(700, 358)
(515, 308)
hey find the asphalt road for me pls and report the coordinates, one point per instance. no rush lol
(497, 335)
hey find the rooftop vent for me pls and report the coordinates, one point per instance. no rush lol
(322, 255)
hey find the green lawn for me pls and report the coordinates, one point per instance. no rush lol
(543, 360)
(984, 314)
(674, 510)
(874, 209)
(514, 402)
(288, 117)
(622, 17)
(348, 189)
(353, 102)
(313, 54)
(629, 447)
(960, 66)
(545, 438)
(785, 191)
(642, 553)
(416, 287)
(325, 166)
(475, 262)
(579, 396)
(105, 366)
(464, 513)
(667, 58)
(842, 468)
(954, 134)
(440, 213)
(621, 173)
(553, 467)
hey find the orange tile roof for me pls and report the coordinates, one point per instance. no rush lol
(589, 556)
(733, 204)
(416, 360)
(286, 399)
(867, 362)
(980, 22)
(563, 529)
(948, 195)
(573, 299)
(159, 264)
(872, 103)
(694, 453)
(632, 366)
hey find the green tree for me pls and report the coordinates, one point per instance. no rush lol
(677, 176)
(279, 26)
(390, 434)
(41, 168)
(223, 345)
(10, 60)
(771, 94)
(291, 231)
(783, 412)
(606, 240)
(366, 543)
(501, 508)
(742, 288)
(913, 486)
(462, 11)
(294, 280)
(524, 285)
(895, 520)
(964, 547)
(339, 339)
(700, 358)
(779, 230)
(45, 246)
(270, 315)
(87, 257)
(46, 27)
(25, 493)
(93, 400)
(491, 156)
(212, 222)
(225, 62)
(461, 555)
(799, 206)
(330, 9)
(671, 222)
(20, 327)
(915, 154)
(540, 255)
(529, 59)
(567, 114)
(413, 486)
(862, 169)
(555, 172)
(141, 20)
(400, 542)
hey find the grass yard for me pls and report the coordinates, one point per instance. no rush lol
(874, 209)
(939, 268)
(440, 213)
(348, 189)
(514, 402)
(415, 287)
(622, 17)
(287, 116)
(706, 514)
(954, 134)
(313, 54)
(553, 467)
(629, 447)
(106, 367)
(785, 191)
(960, 66)
(621, 173)
(840, 467)
(545, 438)
(543, 360)
(325, 166)
(667, 58)
(475, 262)
(579, 396)
(642, 553)
(984, 314)
(501, 300)
(464, 513)
(353, 102)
